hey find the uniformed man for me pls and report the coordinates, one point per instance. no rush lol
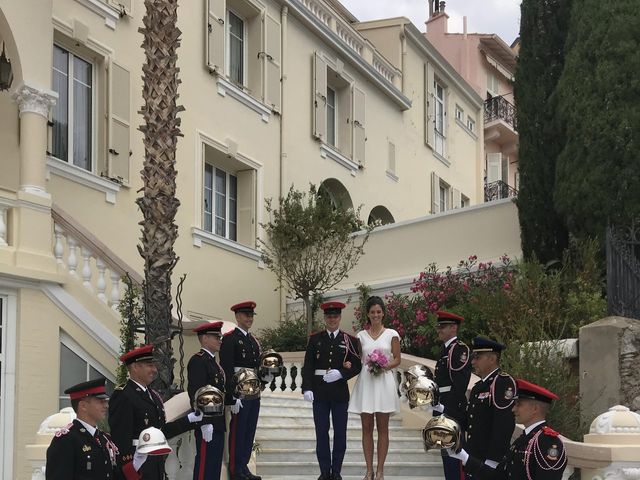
(81, 451)
(538, 454)
(135, 406)
(241, 349)
(332, 358)
(453, 371)
(202, 370)
(489, 422)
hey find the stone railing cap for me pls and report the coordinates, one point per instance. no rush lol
(618, 419)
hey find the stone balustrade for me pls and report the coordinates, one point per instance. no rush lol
(4, 230)
(354, 40)
(89, 261)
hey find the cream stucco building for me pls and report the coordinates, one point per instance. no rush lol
(277, 93)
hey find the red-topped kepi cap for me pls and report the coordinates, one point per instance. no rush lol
(532, 391)
(447, 318)
(244, 307)
(332, 308)
(140, 354)
(92, 388)
(214, 328)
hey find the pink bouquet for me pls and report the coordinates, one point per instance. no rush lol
(376, 361)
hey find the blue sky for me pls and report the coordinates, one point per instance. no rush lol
(484, 16)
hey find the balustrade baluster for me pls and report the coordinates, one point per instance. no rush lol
(3, 225)
(86, 267)
(115, 289)
(101, 283)
(58, 248)
(72, 259)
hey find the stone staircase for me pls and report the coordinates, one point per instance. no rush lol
(287, 445)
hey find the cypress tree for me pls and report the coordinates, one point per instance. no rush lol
(598, 173)
(542, 35)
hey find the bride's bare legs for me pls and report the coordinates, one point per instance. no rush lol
(367, 440)
(382, 424)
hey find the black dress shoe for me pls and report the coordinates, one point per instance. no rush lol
(325, 476)
(336, 476)
(251, 476)
(239, 476)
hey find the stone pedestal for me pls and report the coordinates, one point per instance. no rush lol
(609, 358)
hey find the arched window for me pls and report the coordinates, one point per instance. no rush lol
(380, 215)
(336, 192)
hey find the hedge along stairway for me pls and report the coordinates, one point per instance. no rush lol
(286, 439)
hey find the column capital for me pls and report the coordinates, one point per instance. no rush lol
(34, 100)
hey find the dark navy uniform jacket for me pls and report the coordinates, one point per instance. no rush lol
(547, 458)
(453, 371)
(237, 350)
(490, 421)
(75, 454)
(324, 354)
(131, 410)
(202, 370)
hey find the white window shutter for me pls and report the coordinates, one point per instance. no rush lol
(391, 166)
(494, 167)
(119, 127)
(272, 60)
(215, 31)
(247, 207)
(429, 105)
(457, 198)
(435, 193)
(359, 132)
(319, 97)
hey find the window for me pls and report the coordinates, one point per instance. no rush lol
(444, 197)
(439, 124)
(464, 201)
(73, 81)
(459, 113)
(471, 124)
(493, 86)
(331, 116)
(236, 43)
(220, 202)
(74, 368)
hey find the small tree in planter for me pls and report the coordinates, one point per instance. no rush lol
(311, 244)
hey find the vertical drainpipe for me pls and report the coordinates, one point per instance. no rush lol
(284, 14)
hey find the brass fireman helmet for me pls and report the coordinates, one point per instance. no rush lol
(247, 384)
(411, 374)
(209, 400)
(270, 364)
(423, 391)
(441, 432)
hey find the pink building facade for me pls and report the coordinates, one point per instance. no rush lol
(488, 64)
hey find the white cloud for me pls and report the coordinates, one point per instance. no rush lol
(485, 16)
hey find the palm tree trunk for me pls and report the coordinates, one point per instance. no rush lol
(159, 204)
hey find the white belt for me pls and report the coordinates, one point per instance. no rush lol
(321, 372)
(237, 369)
(444, 389)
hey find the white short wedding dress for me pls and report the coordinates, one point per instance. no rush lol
(375, 393)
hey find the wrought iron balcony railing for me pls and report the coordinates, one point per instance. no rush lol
(497, 108)
(497, 190)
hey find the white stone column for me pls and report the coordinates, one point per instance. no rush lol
(33, 104)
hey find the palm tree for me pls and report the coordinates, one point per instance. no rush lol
(159, 204)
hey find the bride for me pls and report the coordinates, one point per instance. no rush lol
(375, 396)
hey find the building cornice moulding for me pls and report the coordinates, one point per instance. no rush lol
(110, 13)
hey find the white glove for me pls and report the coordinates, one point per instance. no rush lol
(332, 376)
(235, 408)
(207, 432)
(195, 417)
(268, 378)
(438, 408)
(491, 463)
(308, 395)
(462, 455)
(403, 398)
(138, 460)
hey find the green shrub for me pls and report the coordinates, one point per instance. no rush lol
(289, 336)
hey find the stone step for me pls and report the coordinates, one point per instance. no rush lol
(268, 418)
(353, 432)
(344, 477)
(404, 470)
(305, 411)
(308, 441)
(396, 455)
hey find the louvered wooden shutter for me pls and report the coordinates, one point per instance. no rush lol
(272, 60)
(214, 32)
(429, 105)
(359, 132)
(319, 97)
(119, 112)
(435, 193)
(247, 207)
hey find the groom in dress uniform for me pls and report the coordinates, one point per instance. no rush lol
(332, 358)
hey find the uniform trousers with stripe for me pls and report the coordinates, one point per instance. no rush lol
(330, 462)
(242, 431)
(452, 467)
(208, 461)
